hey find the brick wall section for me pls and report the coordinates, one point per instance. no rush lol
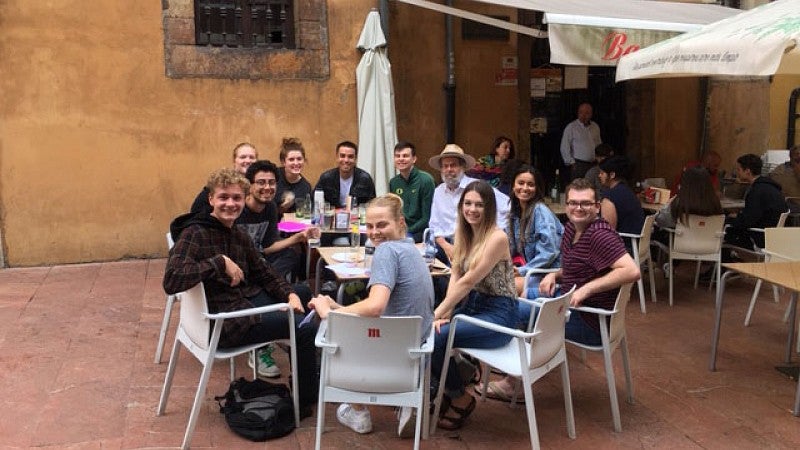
(309, 61)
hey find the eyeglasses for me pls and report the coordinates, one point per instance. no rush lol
(580, 205)
(265, 182)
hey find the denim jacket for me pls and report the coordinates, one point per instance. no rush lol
(541, 243)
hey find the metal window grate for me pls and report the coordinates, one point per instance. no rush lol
(244, 23)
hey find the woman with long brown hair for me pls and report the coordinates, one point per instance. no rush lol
(482, 286)
(695, 196)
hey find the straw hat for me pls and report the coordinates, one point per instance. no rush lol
(452, 151)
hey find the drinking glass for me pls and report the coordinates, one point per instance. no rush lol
(355, 240)
(314, 235)
(300, 210)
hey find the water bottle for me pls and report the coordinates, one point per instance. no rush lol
(369, 250)
(555, 189)
(315, 234)
(430, 249)
(319, 208)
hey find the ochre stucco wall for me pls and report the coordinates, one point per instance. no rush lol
(99, 150)
(780, 90)
(417, 52)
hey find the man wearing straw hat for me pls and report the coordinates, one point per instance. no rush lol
(452, 162)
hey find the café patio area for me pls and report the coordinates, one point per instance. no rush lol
(76, 371)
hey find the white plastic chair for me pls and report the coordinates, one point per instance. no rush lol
(529, 355)
(640, 243)
(700, 240)
(196, 334)
(171, 299)
(766, 256)
(376, 361)
(613, 336)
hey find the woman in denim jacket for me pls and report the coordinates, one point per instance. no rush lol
(534, 232)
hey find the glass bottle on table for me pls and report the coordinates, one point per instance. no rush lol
(555, 189)
(314, 232)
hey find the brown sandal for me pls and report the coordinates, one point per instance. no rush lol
(447, 422)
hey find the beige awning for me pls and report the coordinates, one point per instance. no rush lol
(759, 42)
(597, 32)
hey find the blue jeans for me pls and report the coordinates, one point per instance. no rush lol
(578, 330)
(498, 310)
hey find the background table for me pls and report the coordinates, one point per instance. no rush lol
(785, 274)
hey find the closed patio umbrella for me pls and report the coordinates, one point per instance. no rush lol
(377, 122)
(759, 42)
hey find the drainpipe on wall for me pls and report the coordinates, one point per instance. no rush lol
(793, 116)
(383, 10)
(450, 83)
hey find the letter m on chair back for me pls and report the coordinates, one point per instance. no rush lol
(373, 360)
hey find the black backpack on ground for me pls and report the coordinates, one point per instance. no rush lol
(258, 410)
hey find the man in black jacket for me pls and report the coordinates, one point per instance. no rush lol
(763, 204)
(346, 179)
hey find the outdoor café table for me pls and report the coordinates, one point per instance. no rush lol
(291, 224)
(785, 274)
(728, 204)
(348, 270)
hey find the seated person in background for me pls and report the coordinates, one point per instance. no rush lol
(244, 154)
(483, 277)
(210, 249)
(490, 167)
(452, 162)
(593, 260)
(400, 285)
(534, 232)
(763, 205)
(620, 206)
(346, 179)
(696, 196)
(601, 153)
(291, 182)
(710, 161)
(260, 219)
(415, 187)
(788, 174)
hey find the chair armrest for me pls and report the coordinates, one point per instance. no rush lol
(492, 326)
(427, 346)
(544, 270)
(757, 230)
(532, 302)
(251, 311)
(598, 311)
(631, 235)
(319, 339)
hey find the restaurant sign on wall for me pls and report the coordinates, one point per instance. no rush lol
(598, 46)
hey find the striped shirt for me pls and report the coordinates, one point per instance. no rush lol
(591, 257)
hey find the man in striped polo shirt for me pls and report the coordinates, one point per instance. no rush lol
(593, 258)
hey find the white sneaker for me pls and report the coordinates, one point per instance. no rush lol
(407, 427)
(358, 421)
(266, 365)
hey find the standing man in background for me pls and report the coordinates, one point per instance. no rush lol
(415, 187)
(581, 137)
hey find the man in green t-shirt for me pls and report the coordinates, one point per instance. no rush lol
(415, 187)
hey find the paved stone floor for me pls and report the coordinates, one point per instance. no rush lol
(77, 371)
